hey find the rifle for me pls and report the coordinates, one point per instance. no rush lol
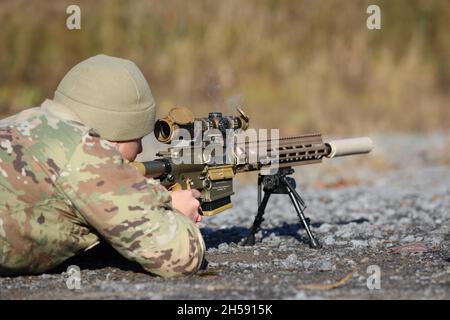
(196, 160)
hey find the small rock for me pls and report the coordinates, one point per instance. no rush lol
(306, 264)
(435, 240)
(377, 234)
(223, 247)
(329, 240)
(325, 265)
(324, 228)
(409, 238)
(359, 243)
(139, 286)
(300, 295)
(351, 263)
(290, 261)
(292, 258)
(346, 234)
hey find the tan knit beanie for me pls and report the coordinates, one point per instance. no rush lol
(109, 95)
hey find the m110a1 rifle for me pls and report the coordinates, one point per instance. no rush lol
(206, 153)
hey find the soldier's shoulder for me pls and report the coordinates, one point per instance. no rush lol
(53, 133)
(39, 118)
(36, 127)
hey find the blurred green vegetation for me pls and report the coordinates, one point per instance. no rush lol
(296, 65)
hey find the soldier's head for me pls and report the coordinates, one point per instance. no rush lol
(111, 96)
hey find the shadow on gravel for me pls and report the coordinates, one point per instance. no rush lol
(101, 256)
(104, 256)
(357, 221)
(215, 237)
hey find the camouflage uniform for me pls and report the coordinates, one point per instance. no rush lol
(63, 188)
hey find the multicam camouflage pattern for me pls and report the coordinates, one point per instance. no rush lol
(63, 188)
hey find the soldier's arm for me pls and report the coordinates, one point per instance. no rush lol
(132, 213)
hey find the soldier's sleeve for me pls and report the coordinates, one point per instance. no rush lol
(131, 212)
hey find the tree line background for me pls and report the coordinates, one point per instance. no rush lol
(299, 65)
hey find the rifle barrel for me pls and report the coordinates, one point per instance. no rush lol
(285, 152)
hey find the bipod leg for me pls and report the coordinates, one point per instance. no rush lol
(299, 206)
(250, 240)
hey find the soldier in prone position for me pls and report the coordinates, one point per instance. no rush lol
(66, 182)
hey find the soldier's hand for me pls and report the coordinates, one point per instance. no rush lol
(186, 202)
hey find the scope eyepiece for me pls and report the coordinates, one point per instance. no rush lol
(182, 118)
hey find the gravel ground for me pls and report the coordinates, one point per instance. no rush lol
(387, 212)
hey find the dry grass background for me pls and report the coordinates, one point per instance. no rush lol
(296, 65)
